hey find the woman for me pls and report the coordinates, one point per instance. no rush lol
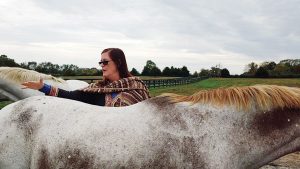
(118, 87)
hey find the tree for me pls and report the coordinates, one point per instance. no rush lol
(29, 65)
(134, 72)
(24, 65)
(195, 74)
(262, 72)
(88, 72)
(69, 70)
(146, 71)
(148, 67)
(32, 65)
(184, 72)
(166, 71)
(48, 68)
(281, 69)
(5, 61)
(174, 71)
(150, 64)
(151, 69)
(296, 69)
(215, 71)
(204, 72)
(290, 62)
(155, 71)
(225, 73)
(268, 65)
(251, 69)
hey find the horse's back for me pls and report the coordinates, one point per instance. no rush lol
(53, 132)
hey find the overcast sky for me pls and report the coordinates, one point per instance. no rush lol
(195, 33)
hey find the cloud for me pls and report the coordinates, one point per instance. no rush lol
(197, 34)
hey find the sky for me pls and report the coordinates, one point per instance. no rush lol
(198, 34)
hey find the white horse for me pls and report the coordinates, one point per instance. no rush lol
(11, 79)
(233, 128)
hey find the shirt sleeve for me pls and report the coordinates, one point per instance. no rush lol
(86, 97)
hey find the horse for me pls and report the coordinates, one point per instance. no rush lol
(236, 128)
(11, 79)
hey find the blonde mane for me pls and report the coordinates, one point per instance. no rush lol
(263, 97)
(19, 75)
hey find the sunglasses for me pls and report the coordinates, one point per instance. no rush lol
(104, 62)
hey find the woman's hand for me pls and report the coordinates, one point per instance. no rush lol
(36, 85)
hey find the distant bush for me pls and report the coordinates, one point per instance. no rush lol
(262, 72)
(225, 73)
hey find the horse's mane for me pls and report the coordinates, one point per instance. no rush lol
(263, 97)
(20, 75)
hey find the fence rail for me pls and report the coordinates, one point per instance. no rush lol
(172, 82)
(159, 83)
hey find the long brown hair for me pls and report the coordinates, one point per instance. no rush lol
(118, 56)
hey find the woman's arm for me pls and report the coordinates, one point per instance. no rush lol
(91, 98)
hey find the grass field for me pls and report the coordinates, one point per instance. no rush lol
(222, 82)
(4, 103)
(214, 83)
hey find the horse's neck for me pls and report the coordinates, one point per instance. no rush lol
(14, 91)
(274, 134)
(246, 139)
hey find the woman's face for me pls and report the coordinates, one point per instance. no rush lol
(110, 70)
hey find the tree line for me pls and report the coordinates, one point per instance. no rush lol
(150, 69)
(50, 68)
(285, 68)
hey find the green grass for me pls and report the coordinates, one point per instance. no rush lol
(4, 103)
(222, 82)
